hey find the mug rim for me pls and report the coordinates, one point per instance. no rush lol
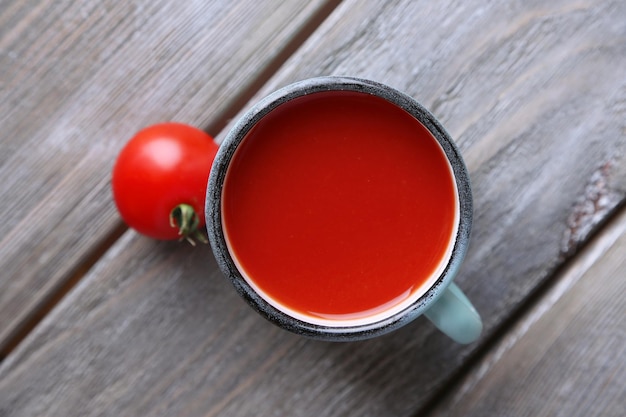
(217, 177)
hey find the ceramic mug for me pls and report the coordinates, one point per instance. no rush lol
(340, 209)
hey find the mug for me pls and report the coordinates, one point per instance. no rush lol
(340, 209)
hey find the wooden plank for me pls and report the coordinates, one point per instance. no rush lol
(565, 357)
(535, 95)
(77, 80)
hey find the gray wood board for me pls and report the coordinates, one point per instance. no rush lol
(534, 94)
(77, 80)
(566, 356)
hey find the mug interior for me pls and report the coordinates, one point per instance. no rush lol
(340, 328)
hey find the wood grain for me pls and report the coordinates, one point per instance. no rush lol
(535, 95)
(77, 79)
(565, 357)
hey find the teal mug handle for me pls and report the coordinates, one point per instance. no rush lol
(455, 316)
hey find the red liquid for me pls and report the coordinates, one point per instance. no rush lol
(338, 204)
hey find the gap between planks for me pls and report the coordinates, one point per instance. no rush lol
(55, 296)
(220, 122)
(552, 288)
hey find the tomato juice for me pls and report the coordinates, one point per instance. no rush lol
(339, 206)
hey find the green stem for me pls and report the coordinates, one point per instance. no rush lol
(184, 217)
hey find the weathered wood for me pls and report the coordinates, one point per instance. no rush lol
(565, 357)
(77, 80)
(534, 94)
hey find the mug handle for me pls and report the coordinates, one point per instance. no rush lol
(455, 316)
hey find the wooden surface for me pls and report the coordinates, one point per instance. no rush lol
(534, 93)
(566, 356)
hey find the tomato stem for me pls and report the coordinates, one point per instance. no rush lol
(184, 217)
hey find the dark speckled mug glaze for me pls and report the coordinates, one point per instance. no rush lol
(443, 303)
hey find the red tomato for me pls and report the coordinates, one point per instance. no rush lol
(160, 178)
